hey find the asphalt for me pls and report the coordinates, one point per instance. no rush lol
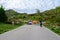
(30, 32)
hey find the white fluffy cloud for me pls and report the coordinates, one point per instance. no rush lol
(29, 6)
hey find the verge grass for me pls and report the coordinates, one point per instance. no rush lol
(53, 28)
(7, 27)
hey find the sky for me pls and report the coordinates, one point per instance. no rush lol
(29, 6)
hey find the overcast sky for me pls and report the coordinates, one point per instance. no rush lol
(29, 6)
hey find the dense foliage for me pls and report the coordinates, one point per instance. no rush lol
(52, 15)
(3, 17)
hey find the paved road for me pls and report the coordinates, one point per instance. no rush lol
(29, 32)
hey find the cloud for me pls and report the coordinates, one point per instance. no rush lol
(29, 6)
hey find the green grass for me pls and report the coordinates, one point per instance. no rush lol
(55, 29)
(7, 27)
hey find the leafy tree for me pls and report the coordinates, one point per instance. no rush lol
(38, 11)
(3, 17)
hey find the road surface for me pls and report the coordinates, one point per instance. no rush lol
(30, 32)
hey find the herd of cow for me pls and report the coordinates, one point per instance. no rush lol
(34, 22)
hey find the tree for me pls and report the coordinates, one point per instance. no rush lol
(3, 17)
(38, 11)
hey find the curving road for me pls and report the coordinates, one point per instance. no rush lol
(30, 32)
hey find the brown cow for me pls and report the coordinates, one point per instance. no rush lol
(35, 22)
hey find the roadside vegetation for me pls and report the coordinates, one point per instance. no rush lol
(53, 28)
(7, 27)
